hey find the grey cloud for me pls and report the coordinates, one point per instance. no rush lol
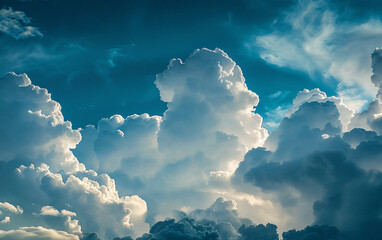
(337, 176)
(316, 232)
(260, 231)
(219, 221)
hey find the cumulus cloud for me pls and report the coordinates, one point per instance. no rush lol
(40, 172)
(33, 126)
(219, 221)
(15, 24)
(110, 214)
(207, 128)
(328, 174)
(307, 171)
(309, 37)
(316, 95)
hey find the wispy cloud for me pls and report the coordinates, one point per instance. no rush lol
(16, 24)
(312, 39)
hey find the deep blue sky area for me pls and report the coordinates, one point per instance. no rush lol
(100, 58)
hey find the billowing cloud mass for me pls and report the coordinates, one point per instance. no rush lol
(33, 127)
(15, 24)
(205, 169)
(43, 183)
(308, 162)
(311, 38)
(208, 127)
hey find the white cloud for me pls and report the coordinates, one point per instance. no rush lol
(49, 211)
(36, 233)
(93, 198)
(10, 208)
(208, 126)
(34, 128)
(6, 220)
(14, 23)
(310, 38)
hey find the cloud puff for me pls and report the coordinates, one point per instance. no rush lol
(127, 145)
(6, 220)
(10, 208)
(323, 232)
(310, 38)
(207, 93)
(316, 95)
(14, 23)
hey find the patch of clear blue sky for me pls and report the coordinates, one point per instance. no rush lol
(100, 58)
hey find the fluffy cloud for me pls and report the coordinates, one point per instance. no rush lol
(207, 128)
(6, 220)
(39, 172)
(33, 127)
(303, 169)
(219, 221)
(309, 162)
(316, 95)
(10, 208)
(311, 39)
(207, 93)
(187, 158)
(14, 23)
(93, 198)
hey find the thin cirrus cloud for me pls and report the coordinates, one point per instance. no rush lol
(15, 24)
(313, 37)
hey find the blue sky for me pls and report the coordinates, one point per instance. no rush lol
(110, 67)
(228, 120)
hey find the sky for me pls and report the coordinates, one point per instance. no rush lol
(228, 120)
